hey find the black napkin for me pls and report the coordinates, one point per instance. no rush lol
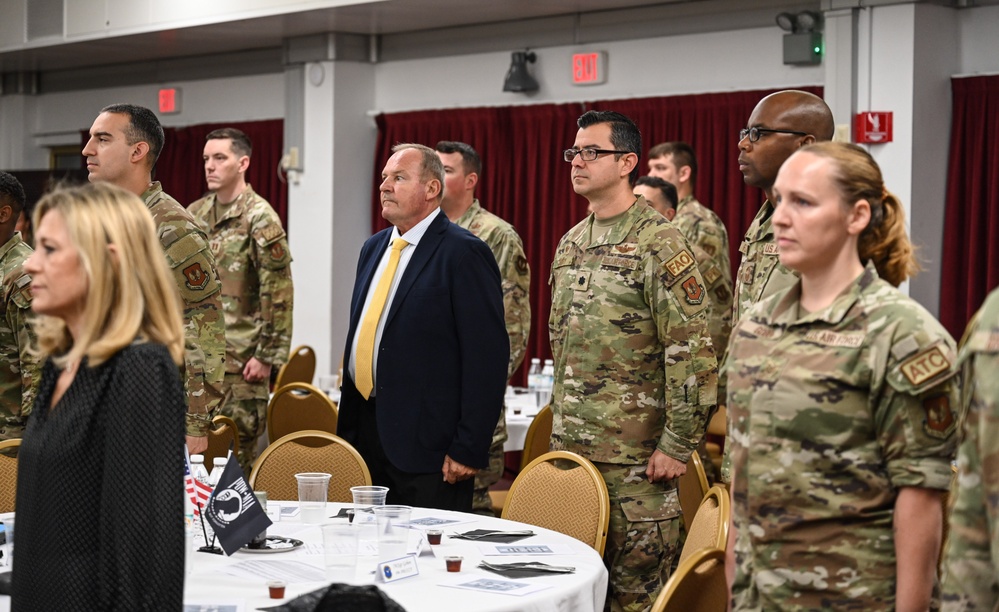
(491, 535)
(524, 570)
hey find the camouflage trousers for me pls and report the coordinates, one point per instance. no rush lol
(481, 503)
(246, 404)
(644, 539)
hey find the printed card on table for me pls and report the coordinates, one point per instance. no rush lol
(516, 550)
(501, 586)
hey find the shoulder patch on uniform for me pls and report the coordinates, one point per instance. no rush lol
(521, 264)
(271, 232)
(196, 277)
(693, 291)
(722, 294)
(939, 416)
(711, 275)
(678, 264)
(923, 366)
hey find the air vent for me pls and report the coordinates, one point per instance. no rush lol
(44, 18)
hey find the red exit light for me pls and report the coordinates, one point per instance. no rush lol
(589, 68)
(170, 100)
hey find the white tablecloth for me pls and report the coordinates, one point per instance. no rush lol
(517, 424)
(581, 591)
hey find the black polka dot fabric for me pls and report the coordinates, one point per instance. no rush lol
(100, 507)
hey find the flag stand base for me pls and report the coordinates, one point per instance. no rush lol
(215, 550)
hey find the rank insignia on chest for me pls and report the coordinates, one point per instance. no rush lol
(582, 282)
(196, 277)
(693, 290)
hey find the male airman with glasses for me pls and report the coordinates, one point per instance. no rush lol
(780, 124)
(635, 369)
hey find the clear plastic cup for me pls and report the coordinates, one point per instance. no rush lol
(365, 497)
(393, 531)
(313, 490)
(340, 551)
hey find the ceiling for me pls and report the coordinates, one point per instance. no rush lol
(379, 18)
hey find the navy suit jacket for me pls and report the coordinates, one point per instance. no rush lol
(442, 360)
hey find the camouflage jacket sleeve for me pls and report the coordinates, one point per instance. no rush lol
(204, 327)
(516, 274)
(971, 557)
(277, 292)
(18, 318)
(677, 290)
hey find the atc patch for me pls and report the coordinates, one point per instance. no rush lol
(195, 277)
(939, 416)
(924, 366)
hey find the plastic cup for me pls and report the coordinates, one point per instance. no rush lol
(393, 531)
(453, 563)
(434, 536)
(313, 489)
(276, 589)
(340, 551)
(365, 497)
(8, 548)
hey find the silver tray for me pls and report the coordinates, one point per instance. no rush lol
(274, 544)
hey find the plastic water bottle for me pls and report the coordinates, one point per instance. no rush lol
(217, 469)
(547, 382)
(534, 379)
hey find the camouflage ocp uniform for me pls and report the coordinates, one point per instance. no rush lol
(508, 250)
(251, 249)
(635, 371)
(971, 557)
(760, 275)
(19, 368)
(830, 413)
(193, 266)
(704, 229)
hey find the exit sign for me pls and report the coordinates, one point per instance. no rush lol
(170, 101)
(589, 68)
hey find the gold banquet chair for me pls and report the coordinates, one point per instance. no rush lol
(222, 434)
(571, 501)
(301, 367)
(297, 407)
(309, 451)
(8, 476)
(692, 487)
(709, 529)
(697, 585)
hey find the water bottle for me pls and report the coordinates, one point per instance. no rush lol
(547, 382)
(534, 379)
(217, 469)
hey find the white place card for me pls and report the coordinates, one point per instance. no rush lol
(516, 550)
(212, 605)
(484, 583)
(436, 522)
(397, 569)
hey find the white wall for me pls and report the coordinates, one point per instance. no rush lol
(977, 40)
(718, 61)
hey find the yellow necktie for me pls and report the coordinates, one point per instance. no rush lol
(366, 335)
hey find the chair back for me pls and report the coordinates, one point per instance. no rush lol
(572, 501)
(220, 436)
(709, 528)
(297, 407)
(538, 439)
(8, 475)
(691, 488)
(697, 585)
(309, 451)
(301, 367)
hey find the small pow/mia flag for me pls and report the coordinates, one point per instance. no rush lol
(233, 510)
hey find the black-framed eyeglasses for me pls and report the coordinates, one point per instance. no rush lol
(587, 154)
(754, 133)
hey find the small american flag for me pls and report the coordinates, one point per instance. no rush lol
(198, 491)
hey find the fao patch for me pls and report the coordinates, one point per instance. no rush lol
(195, 277)
(678, 264)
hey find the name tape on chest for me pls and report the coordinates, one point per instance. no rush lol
(837, 339)
(761, 331)
(771, 248)
(925, 365)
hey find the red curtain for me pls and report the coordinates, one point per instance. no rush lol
(525, 181)
(181, 170)
(971, 253)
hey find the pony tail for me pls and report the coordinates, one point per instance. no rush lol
(887, 243)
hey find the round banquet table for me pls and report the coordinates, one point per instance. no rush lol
(583, 590)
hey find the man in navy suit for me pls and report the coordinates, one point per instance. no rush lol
(427, 347)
